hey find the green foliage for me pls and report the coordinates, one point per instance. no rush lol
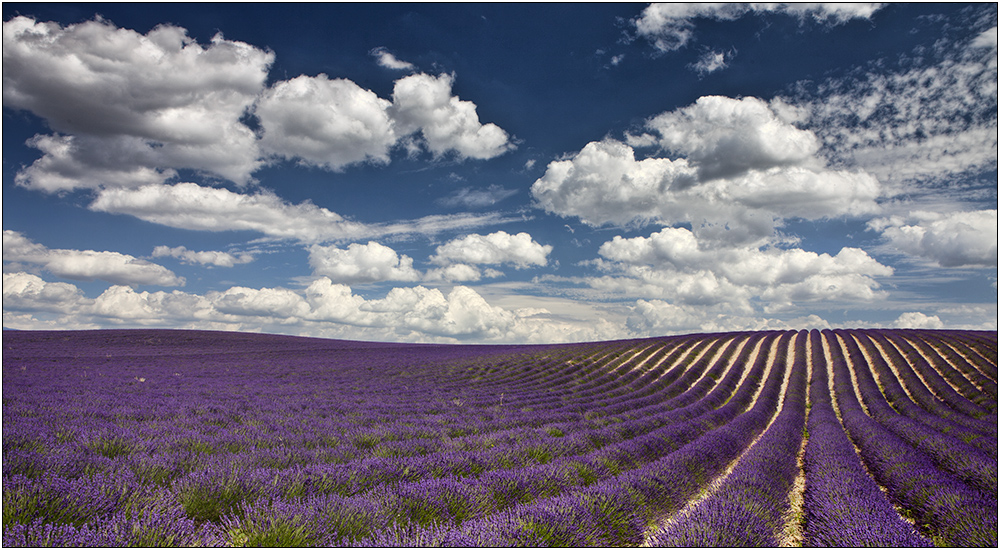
(612, 465)
(366, 441)
(539, 454)
(65, 434)
(26, 506)
(615, 518)
(279, 532)
(111, 447)
(587, 475)
(209, 503)
(152, 473)
(347, 525)
(198, 446)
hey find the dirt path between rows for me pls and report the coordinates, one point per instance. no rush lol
(792, 535)
(714, 485)
(836, 410)
(945, 359)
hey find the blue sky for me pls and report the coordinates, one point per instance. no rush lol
(499, 173)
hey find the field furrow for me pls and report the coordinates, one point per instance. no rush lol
(975, 388)
(844, 506)
(754, 489)
(945, 507)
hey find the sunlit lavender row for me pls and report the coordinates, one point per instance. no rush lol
(181, 438)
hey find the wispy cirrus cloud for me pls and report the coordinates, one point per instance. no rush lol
(712, 61)
(191, 206)
(477, 198)
(214, 258)
(931, 118)
(670, 26)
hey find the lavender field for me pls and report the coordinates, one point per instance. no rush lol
(179, 438)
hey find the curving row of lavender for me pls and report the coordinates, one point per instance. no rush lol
(178, 438)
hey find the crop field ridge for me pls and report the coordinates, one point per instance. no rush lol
(677, 530)
(973, 388)
(665, 522)
(844, 438)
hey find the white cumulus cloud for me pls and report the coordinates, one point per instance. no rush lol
(131, 109)
(325, 122)
(673, 264)
(500, 247)
(741, 171)
(660, 317)
(955, 239)
(86, 265)
(915, 319)
(725, 136)
(24, 291)
(389, 61)
(265, 302)
(127, 103)
(424, 103)
(361, 263)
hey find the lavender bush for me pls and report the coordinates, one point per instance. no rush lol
(189, 438)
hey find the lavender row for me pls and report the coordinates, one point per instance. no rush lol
(954, 514)
(616, 511)
(508, 453)
(933, 378)
(359, 438)
(920, 351)
(438, 499)
(589, 390)
(982, 354)
(928, 340)
(577, 378)
(452, 500)
(334, 443)
(927, 396)
(843, 505)
(966, 462)
(346, 469)
(626, 379)
(205, 414)
(947, 358)
(670, 431)
(749, 506)
(683, 384)
(901, 402)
